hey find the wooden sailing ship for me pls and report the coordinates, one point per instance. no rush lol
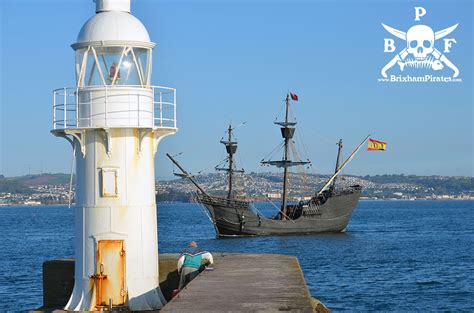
(327, 210)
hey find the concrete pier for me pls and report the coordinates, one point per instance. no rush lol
(236, 283)
(246, 283)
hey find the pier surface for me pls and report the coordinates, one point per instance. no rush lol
(246, 283)
(236, 282)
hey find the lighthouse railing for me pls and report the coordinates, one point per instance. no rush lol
(114, 107)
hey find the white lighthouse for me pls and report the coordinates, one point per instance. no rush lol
(115, 118)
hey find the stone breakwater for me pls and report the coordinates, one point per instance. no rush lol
(238, 283)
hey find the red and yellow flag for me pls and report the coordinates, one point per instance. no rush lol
(376, 145)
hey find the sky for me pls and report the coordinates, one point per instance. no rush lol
(234, 61)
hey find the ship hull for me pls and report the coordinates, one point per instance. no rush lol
(235, 218)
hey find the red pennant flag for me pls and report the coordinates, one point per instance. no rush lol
(294, 96)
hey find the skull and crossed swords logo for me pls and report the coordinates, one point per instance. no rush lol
(420, 51)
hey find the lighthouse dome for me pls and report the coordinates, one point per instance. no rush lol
(114, 26)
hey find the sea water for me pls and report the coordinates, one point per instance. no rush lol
(395, 255)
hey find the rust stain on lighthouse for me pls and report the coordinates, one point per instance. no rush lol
(110, 276)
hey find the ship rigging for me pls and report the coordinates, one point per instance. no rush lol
(327, 210)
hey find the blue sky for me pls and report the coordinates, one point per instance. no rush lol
(235, 61)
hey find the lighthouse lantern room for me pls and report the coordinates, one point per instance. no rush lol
(114, 119)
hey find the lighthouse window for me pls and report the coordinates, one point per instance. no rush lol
(92, 75)
(79, 61)
(128, 67)
(109, 59)
(113, 66)
(142, 56)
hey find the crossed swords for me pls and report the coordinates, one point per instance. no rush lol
(401, 56)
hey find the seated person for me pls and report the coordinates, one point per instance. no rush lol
(191, 262)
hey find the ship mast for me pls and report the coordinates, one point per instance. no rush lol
(231, 148)
(287, 132)
(329, 182)
(338, 159)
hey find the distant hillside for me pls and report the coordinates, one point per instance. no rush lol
(265, 185)
(22, 184)
(438, 184)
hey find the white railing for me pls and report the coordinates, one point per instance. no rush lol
(114, 107)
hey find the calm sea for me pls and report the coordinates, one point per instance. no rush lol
(395, 256)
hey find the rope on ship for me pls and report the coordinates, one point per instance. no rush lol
(274, 151)
(208, 216)
(310, 212)
(205, 212)
(271, 202)
(280, 211)
(259, 214)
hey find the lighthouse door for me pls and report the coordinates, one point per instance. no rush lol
(110, 276)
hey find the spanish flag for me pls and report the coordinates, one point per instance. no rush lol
(376, 145)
